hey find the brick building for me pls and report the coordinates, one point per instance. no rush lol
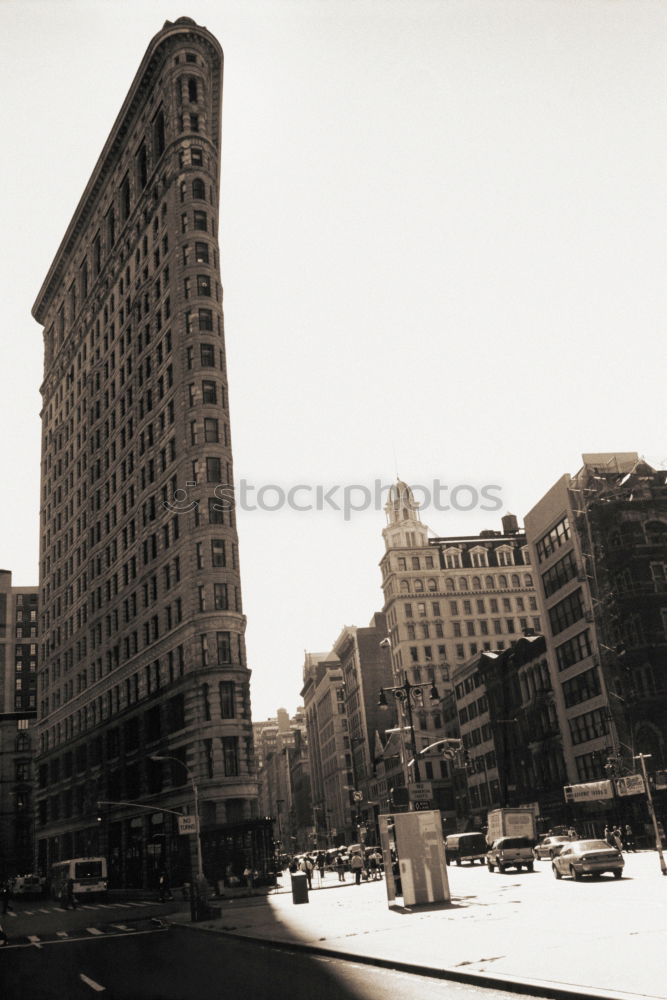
(19, 637)
(142, 620)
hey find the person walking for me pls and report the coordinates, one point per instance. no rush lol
(629, 839)
(608, 836)
(321, 863)
(617, 838)
(340, 867)
(356, 864)
(70, 898)
(163, 888)
(307, 867)
(4, 896)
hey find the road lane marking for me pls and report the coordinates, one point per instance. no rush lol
(91, 982)
(94, 930)
(62, 933)
(33, 939)
(84, 906)
(43, 911)
(121, 927)
(28, 913)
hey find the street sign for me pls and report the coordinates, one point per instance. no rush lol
(631, 784)
(591, 791)
(422, 805)
(357, 796)
(420, 791)
(187, 824)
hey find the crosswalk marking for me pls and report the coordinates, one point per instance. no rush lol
(29, 913)
(62, 933)
(33, 939)
(121, 927)
(84, 906)
(44, 911)
(94, 930)
(91, 982)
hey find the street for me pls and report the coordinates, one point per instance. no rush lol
(181, 965)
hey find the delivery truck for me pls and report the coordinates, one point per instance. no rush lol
(510, 823)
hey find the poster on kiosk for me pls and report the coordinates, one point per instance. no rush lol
(414, 857)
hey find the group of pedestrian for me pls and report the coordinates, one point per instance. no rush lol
(621, 837)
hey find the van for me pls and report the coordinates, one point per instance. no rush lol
(460, 847)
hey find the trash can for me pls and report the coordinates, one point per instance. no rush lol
(299, 887)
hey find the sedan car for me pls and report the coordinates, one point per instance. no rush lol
(549, 847)
(588, 857)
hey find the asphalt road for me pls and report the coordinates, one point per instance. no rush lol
(182, 964)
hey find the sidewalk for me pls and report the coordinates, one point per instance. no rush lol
(602, 938)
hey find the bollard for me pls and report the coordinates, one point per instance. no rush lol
(299, 887)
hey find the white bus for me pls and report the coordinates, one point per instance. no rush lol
(89, 876)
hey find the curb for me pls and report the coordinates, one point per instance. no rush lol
(534, 987)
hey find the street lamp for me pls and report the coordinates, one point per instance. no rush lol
(409, 695)
(195, 794)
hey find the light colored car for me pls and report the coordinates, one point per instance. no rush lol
(510, 852)
(588, 857)
(549, 847)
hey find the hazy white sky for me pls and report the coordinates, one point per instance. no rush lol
(444, 246)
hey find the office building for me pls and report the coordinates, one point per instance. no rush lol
(140, 594)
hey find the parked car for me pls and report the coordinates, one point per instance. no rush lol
(460, 847)
(511, 852)
(588, 857)
(549, 847)
(27, 885)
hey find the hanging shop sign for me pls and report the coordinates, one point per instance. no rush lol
(592, 791)
(631, 784)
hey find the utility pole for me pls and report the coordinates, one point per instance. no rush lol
(642, 758)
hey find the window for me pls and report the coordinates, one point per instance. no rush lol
(230, 755)
(581, 688)
(194, 123)
(203, 284)
(227, 706)
(209, 392)
(220, 601)
(207, 354)
(224, 647)
(196, 156)
(559, 574)
(201, 252)
(159, 139)
(192, 90)
(553, 539)
(213, 470)
(201, 221)
(566, 612)
(218, 556)
(216, 512)
(589, 726)
(199, 191)
(575, 649)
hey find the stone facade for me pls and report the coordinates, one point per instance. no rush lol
(143, 626)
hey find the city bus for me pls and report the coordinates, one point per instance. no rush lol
(88, 874)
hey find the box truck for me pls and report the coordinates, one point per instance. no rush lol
(510, 823)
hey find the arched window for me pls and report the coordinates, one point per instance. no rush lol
(449, 583)
(192, 90)
(476, 583)
(419, 586)
(405, 587)
(502, 580)
(489, 582)
(527, 580)
(516, 582)
(198, 189)
(463, 583)
(432, 585)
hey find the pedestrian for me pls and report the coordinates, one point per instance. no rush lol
(163, 887)
(307, 867)
(608, 837)
(340, 867)
(293, 866)
(356, 864)
(372, 865)
(4, 896)
(321, 862)
(248, 876)
(617, 838)
(377, 858)
(629, 839)
(4, 940)
(70, 898)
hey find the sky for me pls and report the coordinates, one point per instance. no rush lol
(443, 232)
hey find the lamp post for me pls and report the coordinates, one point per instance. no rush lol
(409, 695)
(642, 758)
(195, 794)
